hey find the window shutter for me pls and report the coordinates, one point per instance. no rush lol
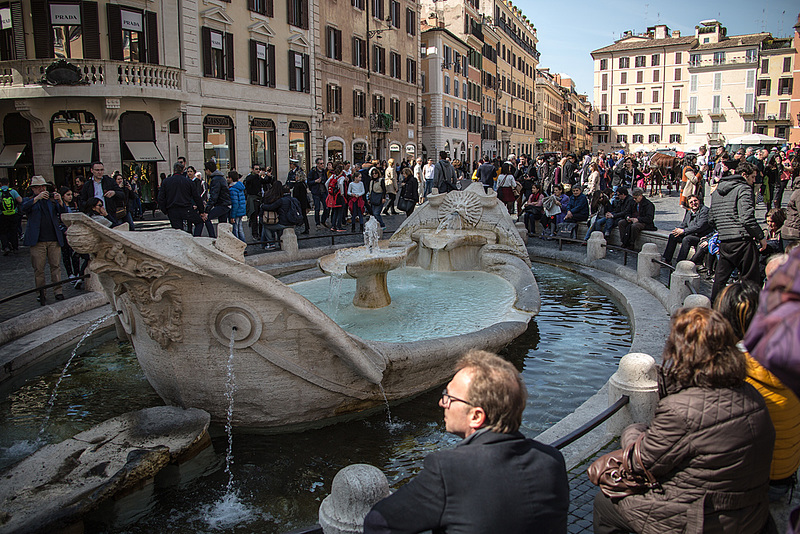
(353, 49)
(306, 73)
(355, 103)
(206, 33)
(114, 32)
(251, 5)
(42, 34)
(292, 72)
(364, 54)
(91, 30)
(229, 56)
(19, 33)
(271, 65)
(270, 9)
(338, 36)
(304, 14)
(328, 98)
(253, 61)
(290, 11)
(152, 37)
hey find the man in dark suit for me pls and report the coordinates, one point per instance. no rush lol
(642, 218)
(495, 480)
(486, 173)
(694, 227)
(106, 189)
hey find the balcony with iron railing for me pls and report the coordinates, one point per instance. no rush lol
(717, 62)
(98, 76)
(380, 122)
(503, 25)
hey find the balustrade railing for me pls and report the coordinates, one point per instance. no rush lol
(20, 73)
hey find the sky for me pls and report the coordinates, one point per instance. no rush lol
(567, 38)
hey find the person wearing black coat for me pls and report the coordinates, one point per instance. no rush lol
(496, 479)
(694, 227)
(178, 198)
(105, 188)
(642, 218)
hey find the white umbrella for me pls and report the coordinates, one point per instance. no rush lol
(756, 139)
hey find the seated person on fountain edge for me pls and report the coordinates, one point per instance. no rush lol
(690, 231)
(495, 480)
(621, 207)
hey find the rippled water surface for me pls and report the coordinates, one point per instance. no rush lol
(569, 350)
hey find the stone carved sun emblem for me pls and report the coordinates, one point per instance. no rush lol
(467, 204)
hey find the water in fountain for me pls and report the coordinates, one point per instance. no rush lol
(334, 290)
(50, 403)
(372, 234)
(388, 410)
(451, 222)
(229, 510)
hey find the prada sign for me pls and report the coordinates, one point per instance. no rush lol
(131, 21)
(5, 18)
(65, 14)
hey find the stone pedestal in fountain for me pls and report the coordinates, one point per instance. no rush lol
(369, 268)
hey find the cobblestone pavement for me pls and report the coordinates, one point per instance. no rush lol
(582, 492)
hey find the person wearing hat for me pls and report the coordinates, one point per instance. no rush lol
(43, 235)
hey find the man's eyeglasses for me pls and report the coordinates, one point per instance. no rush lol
(448, 399)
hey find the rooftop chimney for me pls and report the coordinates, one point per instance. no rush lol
(676, 34)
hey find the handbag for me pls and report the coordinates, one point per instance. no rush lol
(518, 190)
(269, 217)
(616, 472)
(375, 198)
(404, 204)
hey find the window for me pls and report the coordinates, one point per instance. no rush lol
(377, 9)
(411, 21)
(692, 128)
(455, 118)
(764, 66)
(622, 118)
(603, 138)
(394, 64)
(262, 64)
(456, 62)
(694, 60)
(298, 13)
(748, 126)
(692, 105)
(411, 71)
(656, 76)
(763, 87)
(455, 89)
(604, 102)
(378, 104)
(715, 104)
(783, 114)
(785, 86)
(623, 78)
(394, 108)
(264, 7)
(624, 62)
(675, 138)
(299, 72)
(638, 118)
(359, 104)
(623, 97)
(676, 117)
(622, 138)
(678, 75)
(378, 59)
(359, 52)
(719, 58)
(787, 64)
(65, 32)
(446, 56)
(639, 97)
(693, 83)
(751, 79)
(678, 58)
(638, 138)
(446, 117)
(676, 99)
(640, 76)
(334, 98)
(411, 112)
(717, 81)
(333, 42)
(640, 61)
(749, 103)
(12, 34)
(655, 96)
(447, 84)
(762, 111)
(655, 117)
(217, 54)
(358, 4)
(424, 116)
(714, 126)
(655, 60)
(603, 64)
(654, 138)
(394, 13)
(604, 82)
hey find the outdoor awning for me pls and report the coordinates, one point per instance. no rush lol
(10, 155)
(144, 151)
(72, 154)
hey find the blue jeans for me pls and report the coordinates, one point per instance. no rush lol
(603, 224)
(238, 228)
(319, 205)
(428, 187)
(272, 233)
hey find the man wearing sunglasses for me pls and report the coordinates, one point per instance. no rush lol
(495, 480)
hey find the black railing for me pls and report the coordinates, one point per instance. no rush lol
(42, 289)
(590, 425)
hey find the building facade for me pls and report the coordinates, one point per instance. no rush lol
(774, 88)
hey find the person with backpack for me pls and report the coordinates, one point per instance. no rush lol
(355, 199)
(335, 200)
(9, 216)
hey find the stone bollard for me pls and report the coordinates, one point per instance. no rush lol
(523, 232)
(596, 246)
(685, 271)
(289, 242)
(697, 301)
(354, 490)
(635, 377)
(646, 268)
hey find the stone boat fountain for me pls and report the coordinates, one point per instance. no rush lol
(181, 300)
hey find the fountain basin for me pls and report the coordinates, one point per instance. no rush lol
(451, 250)
(369, 268)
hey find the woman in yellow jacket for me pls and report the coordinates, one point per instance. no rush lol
(738, 303)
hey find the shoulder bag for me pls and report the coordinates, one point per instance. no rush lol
(618, 475)
(269, 217)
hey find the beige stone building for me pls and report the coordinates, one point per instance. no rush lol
(774, 87)
(136, 84)
(368, 79)
(794, 107)
(549, 113)
(489, 96)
